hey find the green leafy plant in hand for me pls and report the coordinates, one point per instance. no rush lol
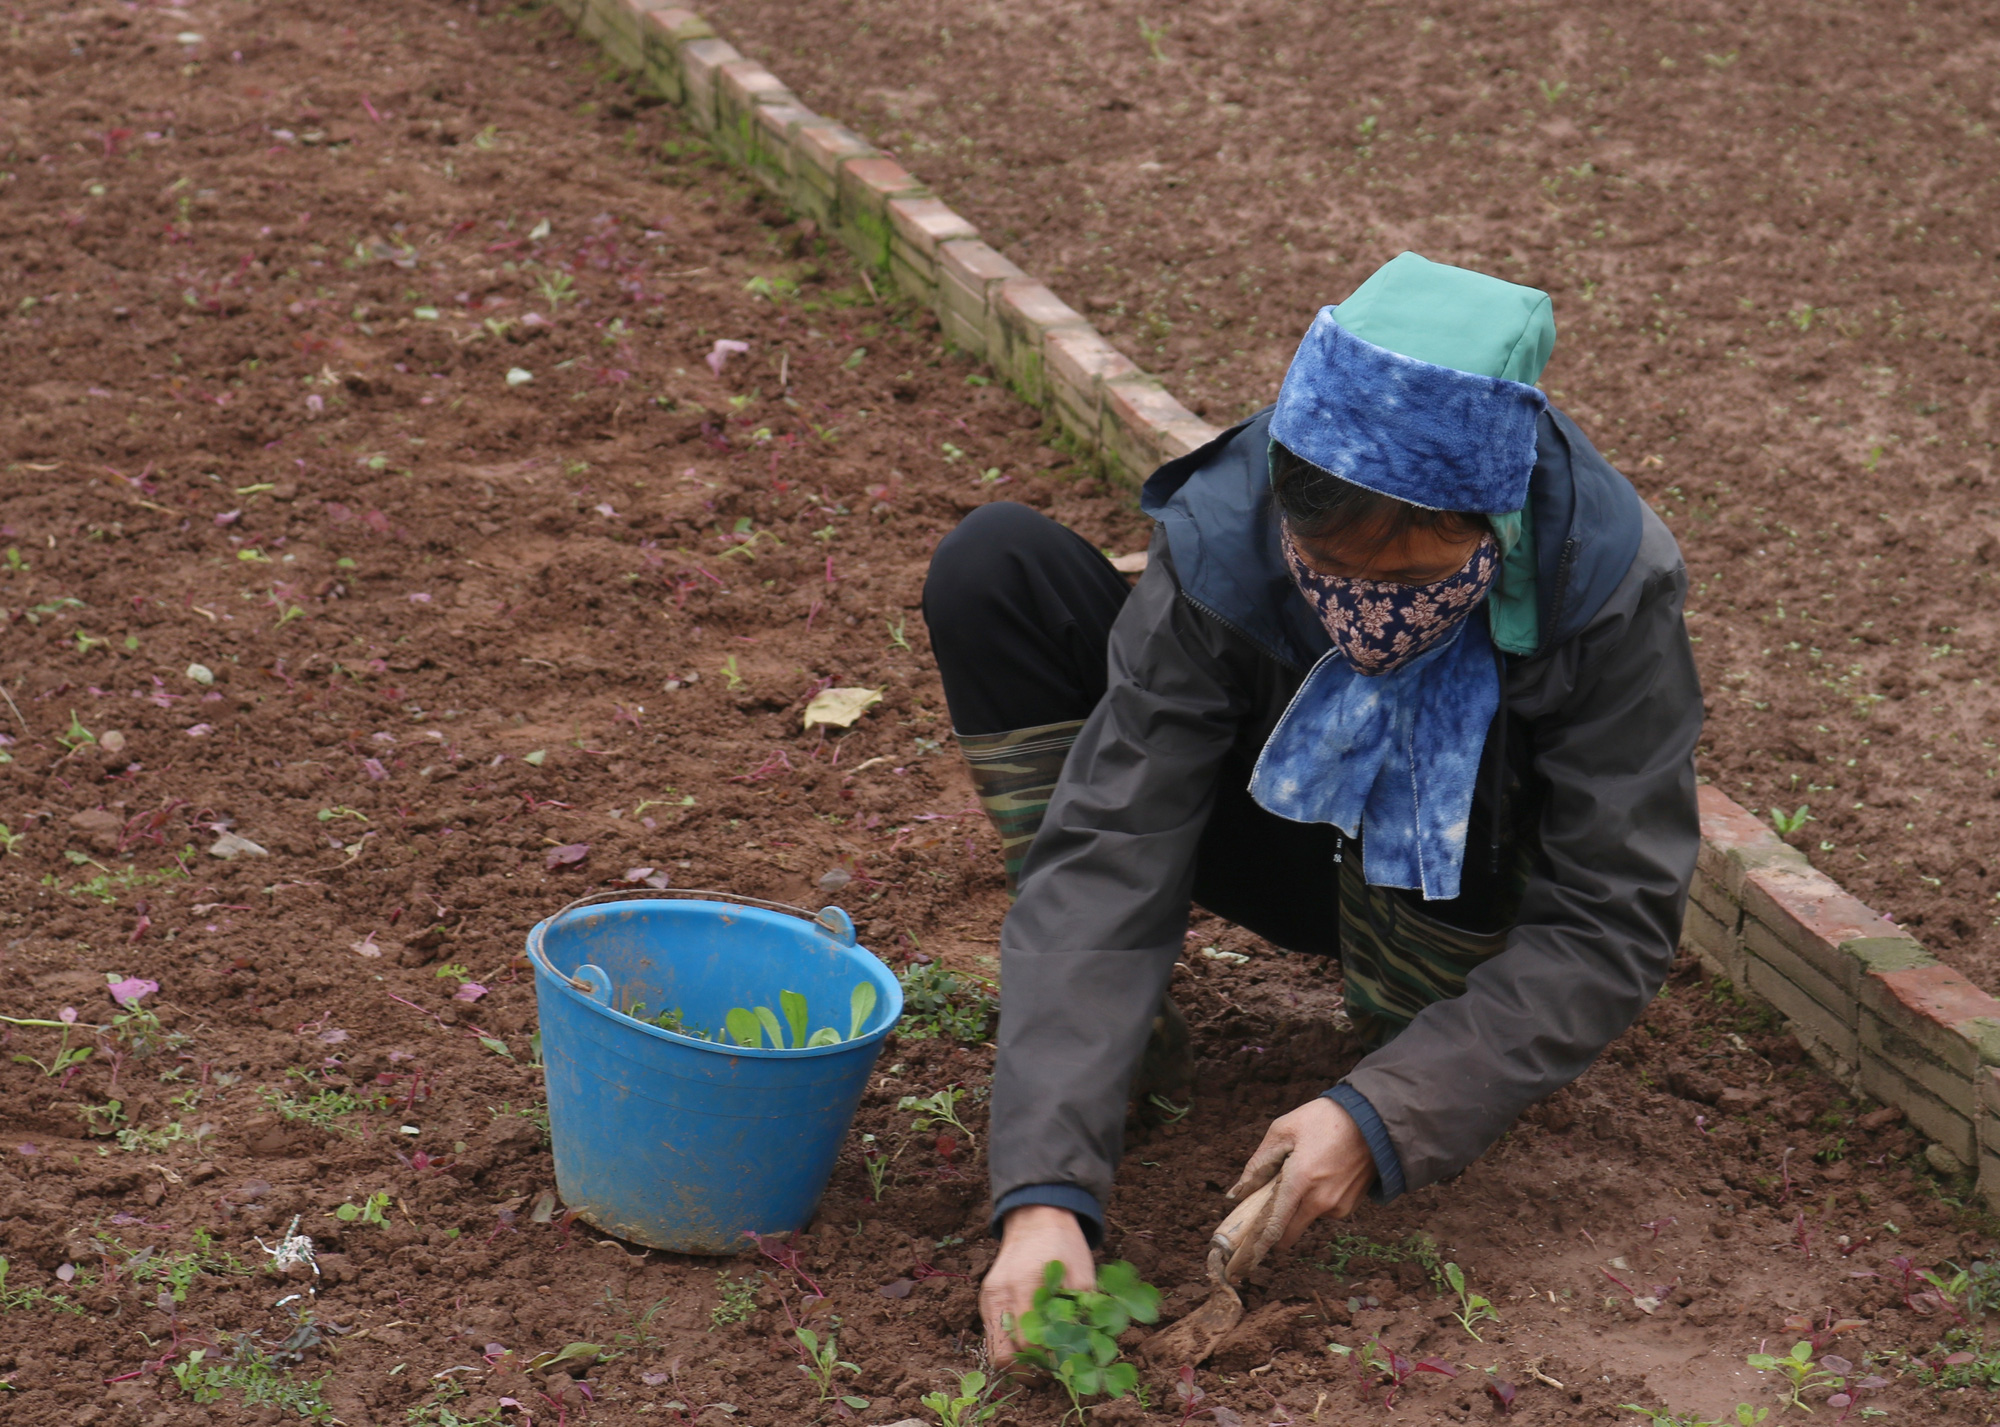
(965, 1408)
(1801, 1375)
(1471, 1307)
(822, 1361)
(938, 1109)
(1072, 1334)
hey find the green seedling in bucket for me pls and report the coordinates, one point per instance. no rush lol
(752, 1026)
(748, 1027)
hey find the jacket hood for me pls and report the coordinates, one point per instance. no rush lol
(1221, 522)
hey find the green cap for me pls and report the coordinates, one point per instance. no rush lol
(1453, 317)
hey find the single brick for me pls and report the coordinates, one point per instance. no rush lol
(662, 32)
(741, 87)
(920, 224)
(867, 186)
(1807, 911)
(1025, 313)
(1989, 1177)
(1138, 414)
(1985, 1032)
(1929, 1005)
(1951, 1083)
(1078, 362)
(967, 273)
(1930, 1115)
(771, 146)
(1811, 1021)
(700, 62)
(820, 149)
(1761, 945)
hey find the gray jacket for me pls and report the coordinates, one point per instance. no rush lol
(1600, 728)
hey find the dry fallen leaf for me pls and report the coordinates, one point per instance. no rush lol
(841, 707)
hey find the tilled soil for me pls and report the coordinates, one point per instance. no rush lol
(1769, 239)
(288, 558)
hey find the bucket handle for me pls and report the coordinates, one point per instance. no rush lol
(831, 919)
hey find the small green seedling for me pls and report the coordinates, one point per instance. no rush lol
(454, 971)
(10, 840)
(1471, 1307)
(822, 1362)
(1799, 1371)
(941, 1108)
(1789, 823)
(373, 1210)
(1073, 1334)
(967, 1407)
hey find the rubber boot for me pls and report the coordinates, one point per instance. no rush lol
(1015, 774)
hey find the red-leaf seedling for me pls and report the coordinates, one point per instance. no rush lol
(1400, 1369)
(1848, 1389)
(1503, 1394)
(1195, 1403)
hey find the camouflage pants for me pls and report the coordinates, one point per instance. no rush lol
(1015, 774)
(1396, 959)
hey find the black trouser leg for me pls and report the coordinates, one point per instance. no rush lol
(1020, 613)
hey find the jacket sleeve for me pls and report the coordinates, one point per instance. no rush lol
(1602, 914)
(1086, 952)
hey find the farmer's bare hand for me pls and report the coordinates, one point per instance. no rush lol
(1033, 1235)
(1325, 1167)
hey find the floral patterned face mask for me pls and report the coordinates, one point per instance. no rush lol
(1378, 626)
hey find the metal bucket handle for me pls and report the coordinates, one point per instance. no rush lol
(831, 919)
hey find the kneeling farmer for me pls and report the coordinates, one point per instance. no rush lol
(1405, 682)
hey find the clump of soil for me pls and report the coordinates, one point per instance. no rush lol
(299, 567)
(1769, 275)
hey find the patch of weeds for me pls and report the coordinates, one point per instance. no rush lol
(940, 1002)
(1396, 1370)
(1960, 1359)
(324, 1109)
(967, 1406)
(737, 1300)
(248, 1372)
(1072, 1335)
(1745, 1416)
(14, 1299)
(109, 885)
(177, 1271)
(1418, 1248)
(142, 1034)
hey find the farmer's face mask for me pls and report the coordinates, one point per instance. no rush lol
(1378, 626)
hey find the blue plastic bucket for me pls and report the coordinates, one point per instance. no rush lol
(680, 1143)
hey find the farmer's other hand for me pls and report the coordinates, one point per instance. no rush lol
(1032, 1235)
(1324, 1164)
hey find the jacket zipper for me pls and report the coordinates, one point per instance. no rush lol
(1241, 633)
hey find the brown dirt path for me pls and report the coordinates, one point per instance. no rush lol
(1770, 242)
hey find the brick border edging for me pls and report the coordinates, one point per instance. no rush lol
(1866, 1000)
(1875, 1009)
(1047, 352)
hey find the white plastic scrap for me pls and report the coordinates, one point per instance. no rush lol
(293, 1248)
